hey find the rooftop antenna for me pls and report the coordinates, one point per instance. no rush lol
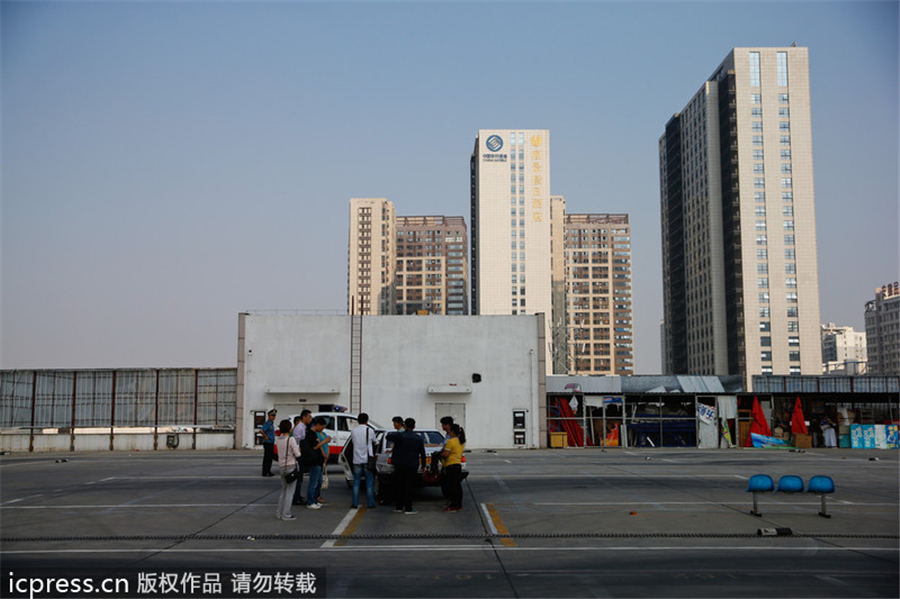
(794, 45)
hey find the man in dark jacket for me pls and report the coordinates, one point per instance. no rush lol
(407, 455)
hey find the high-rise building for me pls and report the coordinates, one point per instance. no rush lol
(598, 294)
(371, 257)
(510, 188)
(432, 269)
(883, 330)
(843, 350)
(740, 269)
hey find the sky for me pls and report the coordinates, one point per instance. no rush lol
(167, 165)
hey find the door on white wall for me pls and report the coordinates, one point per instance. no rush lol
(456, 410)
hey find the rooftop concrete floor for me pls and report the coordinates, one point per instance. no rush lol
(539, 523)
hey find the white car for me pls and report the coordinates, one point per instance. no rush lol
(434, 441)
(337, 426)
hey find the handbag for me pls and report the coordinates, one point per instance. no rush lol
(324, 480)
(371, 461)
(293, 474)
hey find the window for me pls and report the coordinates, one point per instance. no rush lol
(764, 297)
(758, 168)
(782, 69)
(762, 268)
(761, 240)
(759, 182)
(790, 268)
(790, 254)
(784, 126)
(759, 196)
(786, 182)
(784, 112)
(785, 140)
(757, 126)
(756, 111)
(784, 99)
(793, 326)
(763, 313)
(757, 140)
(760, 225)
(794, 341)
(757, 154)
(788, 225)
(756, 98)
(765, 356)
(786, 168)
(754, 69)
(790, 282)
(785, 154)
(762, 254)
(792, 312)
(765, 341)
(791, 297)
(787, 210)
(795, 370)
(787, 196)
(794, 355)
(760, 211)
(788, 240)
(762, 282)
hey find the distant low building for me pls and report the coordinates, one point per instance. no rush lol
(843, 350)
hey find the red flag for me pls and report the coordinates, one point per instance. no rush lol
(797, 423)
(759, 425)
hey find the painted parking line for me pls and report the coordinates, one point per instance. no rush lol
(346, 527)
(497, 524)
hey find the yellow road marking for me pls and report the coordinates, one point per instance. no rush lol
(498, 524)
(351, 526)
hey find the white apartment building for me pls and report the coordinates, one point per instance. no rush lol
(843, 350)
(883, 330)
(371, 257)
(510, 194)
(740, 262)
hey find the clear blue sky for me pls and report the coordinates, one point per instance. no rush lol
(166, 165)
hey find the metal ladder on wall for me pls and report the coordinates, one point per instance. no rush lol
(356, 331)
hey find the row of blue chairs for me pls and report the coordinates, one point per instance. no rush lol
(763, 483)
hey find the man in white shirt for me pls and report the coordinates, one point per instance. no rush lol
(300, 424)
(362, 438)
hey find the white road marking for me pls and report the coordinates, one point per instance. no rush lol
(341, 527)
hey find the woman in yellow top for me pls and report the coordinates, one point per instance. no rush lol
(452, 462)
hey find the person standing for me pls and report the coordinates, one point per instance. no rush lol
(288, 452)
(362, 438)
(437, 457)
(311, 450)
(300, 423)
(397, 421)
(407, 455)
(268, 431)
(452, 473)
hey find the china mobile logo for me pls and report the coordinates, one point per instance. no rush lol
(494, 143)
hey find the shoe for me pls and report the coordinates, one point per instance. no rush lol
(354, 507)
(314, 506)
(398, 511)
(322, 500)
(302, 501)
(372, 507)
(268, 474)
(411, 512)
(278, 516)
(450, 509)
(288, 518)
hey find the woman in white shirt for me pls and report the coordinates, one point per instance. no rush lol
(288, 452)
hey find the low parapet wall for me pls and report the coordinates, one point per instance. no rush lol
(40, 440)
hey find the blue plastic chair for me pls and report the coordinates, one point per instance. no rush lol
(821, 486)
(759, 483)
(790, 484)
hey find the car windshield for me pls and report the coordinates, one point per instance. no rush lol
(429, 437)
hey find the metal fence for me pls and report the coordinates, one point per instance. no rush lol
(117, 398)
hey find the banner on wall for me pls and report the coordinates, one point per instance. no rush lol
(769, 442)
(706, 414)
